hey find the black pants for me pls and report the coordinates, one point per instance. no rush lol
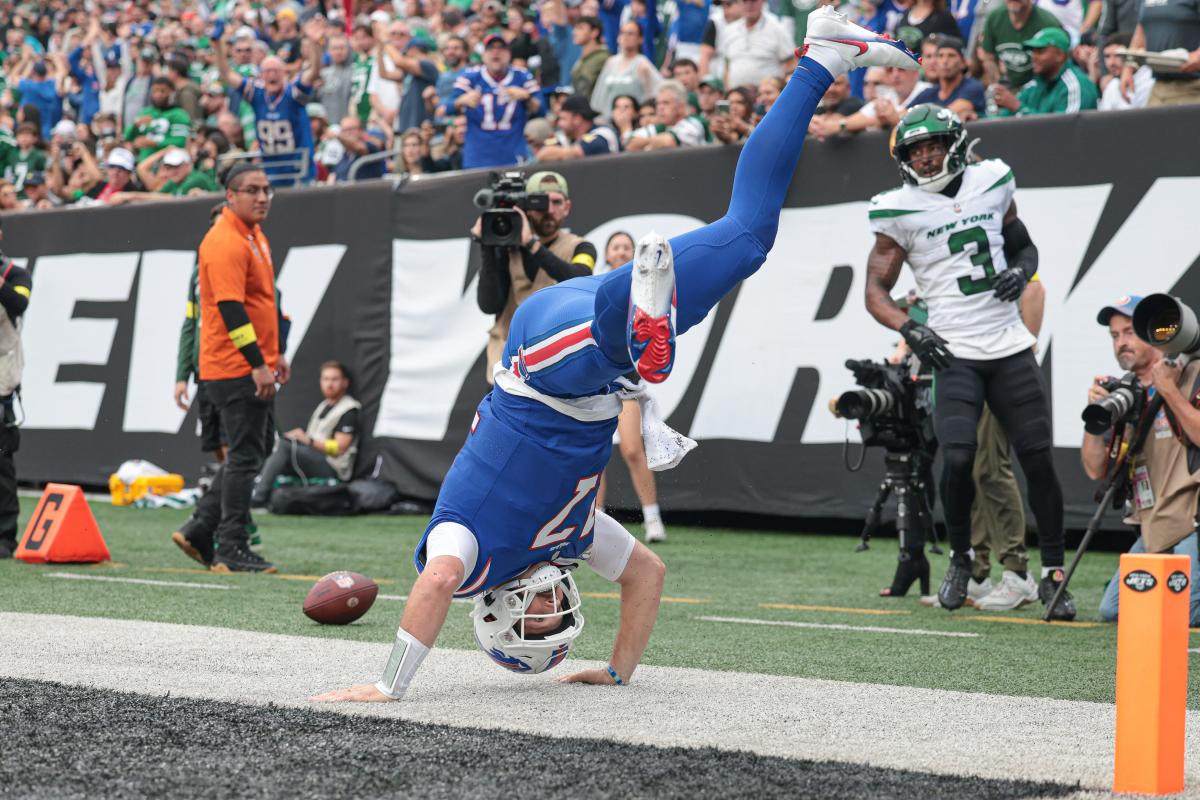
(290, 458)
(1015, 390)
(10, 442)
(249, 427)
(211, 435)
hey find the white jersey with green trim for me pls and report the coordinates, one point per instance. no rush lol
(955, 248)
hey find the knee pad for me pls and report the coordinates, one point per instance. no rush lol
(958, 461)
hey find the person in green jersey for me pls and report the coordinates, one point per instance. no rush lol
(1058, 86)
(1003, 44)
(362, 39)
(26, 158)
(160, 124)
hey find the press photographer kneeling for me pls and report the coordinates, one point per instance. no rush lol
(1158, 396)
(523, 246)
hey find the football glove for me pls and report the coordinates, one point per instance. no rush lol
(927, 345)
(1009, 285)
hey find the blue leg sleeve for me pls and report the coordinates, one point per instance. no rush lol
(712, 260)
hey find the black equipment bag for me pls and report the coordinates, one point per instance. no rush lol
(329, 501)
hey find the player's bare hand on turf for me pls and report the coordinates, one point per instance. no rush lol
(359, 693)
(596, 677)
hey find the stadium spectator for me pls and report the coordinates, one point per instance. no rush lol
(559, 20)
(1168, 25)
(118, 174)
(161, 124)
(412, 147)
(1005, 31)
(37, 193)
(755, 47)
(326, 448)
(454, 62)
(1118, 17)
(837, 100)
(925, 18)
(1111, 98)
(734, 125)
(711, 61)
(8, 197)
(83, 69)
(768, 93)
(356, 143)
(712, 90)
(1058, 86)
(956, 90)
(337, 78)
(627, 72)
(384, 94)
(496, 99)
(187, 92)
(415, 72)
(38, 87)
(539, 133)
(577, 120)
(623, 116)
(687, 31)
(874, 79)
(362, 39)
(137, 85)
(686, 72)
(28, 157)
(890, 103)
(673, 125)
(169, 173)
(112, 90)
(451, 157)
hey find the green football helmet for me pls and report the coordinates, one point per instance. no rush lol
(929, 121)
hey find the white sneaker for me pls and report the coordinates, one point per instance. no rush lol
(655, 532)
(977, 590)
(858, 46)
(1013, 592)
(651, 323)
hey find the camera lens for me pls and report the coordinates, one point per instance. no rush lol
(502, 226)
(1099, 417)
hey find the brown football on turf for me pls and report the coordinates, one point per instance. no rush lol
(340, 598)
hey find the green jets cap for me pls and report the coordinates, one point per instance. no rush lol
(1049, 37)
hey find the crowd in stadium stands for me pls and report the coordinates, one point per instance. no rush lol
(124, 101)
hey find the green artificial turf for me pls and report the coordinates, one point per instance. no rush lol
(720, 572)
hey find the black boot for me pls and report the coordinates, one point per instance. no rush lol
(912, 566)
(8, 546)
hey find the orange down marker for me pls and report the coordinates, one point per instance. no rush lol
(1152, 631)
(62, 529)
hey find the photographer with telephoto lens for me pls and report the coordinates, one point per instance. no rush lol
(523, 246)
(1164, 473)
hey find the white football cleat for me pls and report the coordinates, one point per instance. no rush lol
(655, 532)
(1013, 592)
(650, 326)
(858, 46)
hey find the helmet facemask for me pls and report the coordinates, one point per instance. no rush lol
(923, 123)
(501, 616)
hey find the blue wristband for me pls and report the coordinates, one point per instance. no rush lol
(612, 673)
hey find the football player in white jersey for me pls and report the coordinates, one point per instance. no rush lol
(955, 223)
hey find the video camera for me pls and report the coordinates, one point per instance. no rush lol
(893, 408)
(501, 225)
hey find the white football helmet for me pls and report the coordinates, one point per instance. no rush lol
(500, 615)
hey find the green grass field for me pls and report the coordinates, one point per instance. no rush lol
(711, 572)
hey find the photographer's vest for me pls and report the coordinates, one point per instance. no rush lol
(521, 287)
(323, 427)
(1174, 487)
(12, 359)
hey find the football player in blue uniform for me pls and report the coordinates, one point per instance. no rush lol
(281, 126)
(497, 99)
(518, 508)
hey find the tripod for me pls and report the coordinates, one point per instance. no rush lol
(905, 476)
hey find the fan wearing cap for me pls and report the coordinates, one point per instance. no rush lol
(1058, 86)
(161, 124)
(39, 88)
(1165, 491)
(955, 90)
(169, 173)
(577, 119)
(497, 99)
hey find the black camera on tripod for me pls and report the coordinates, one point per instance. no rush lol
(893, 408)
(500, 224)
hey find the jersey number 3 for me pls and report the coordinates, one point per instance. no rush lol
(982, 258)
(551, 533)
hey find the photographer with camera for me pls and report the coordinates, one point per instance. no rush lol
(1165, 474)
(524, 246)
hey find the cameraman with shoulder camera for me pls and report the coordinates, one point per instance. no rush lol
(1164, 488)
(540, 253)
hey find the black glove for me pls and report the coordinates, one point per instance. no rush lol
(1009, 285)
(927, 345)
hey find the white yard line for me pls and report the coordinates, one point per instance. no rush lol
(900, 727)
(836, 627)
(75, 576)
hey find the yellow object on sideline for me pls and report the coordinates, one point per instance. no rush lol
(123, 495)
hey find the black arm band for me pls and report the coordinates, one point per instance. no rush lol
(554, 266)
(237, 321)
(491, 293)
(13, 302)
(1019, 249)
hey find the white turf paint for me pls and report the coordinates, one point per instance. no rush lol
(888, 726)
(75, 576)
(835, 627)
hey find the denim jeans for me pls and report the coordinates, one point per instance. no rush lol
(1187, 547)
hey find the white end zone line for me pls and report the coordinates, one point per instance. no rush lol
(836, 627)
(141, 581)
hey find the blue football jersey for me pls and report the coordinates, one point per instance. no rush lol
(495, 127)
(281, 124)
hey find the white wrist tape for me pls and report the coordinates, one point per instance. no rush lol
(407, 655)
